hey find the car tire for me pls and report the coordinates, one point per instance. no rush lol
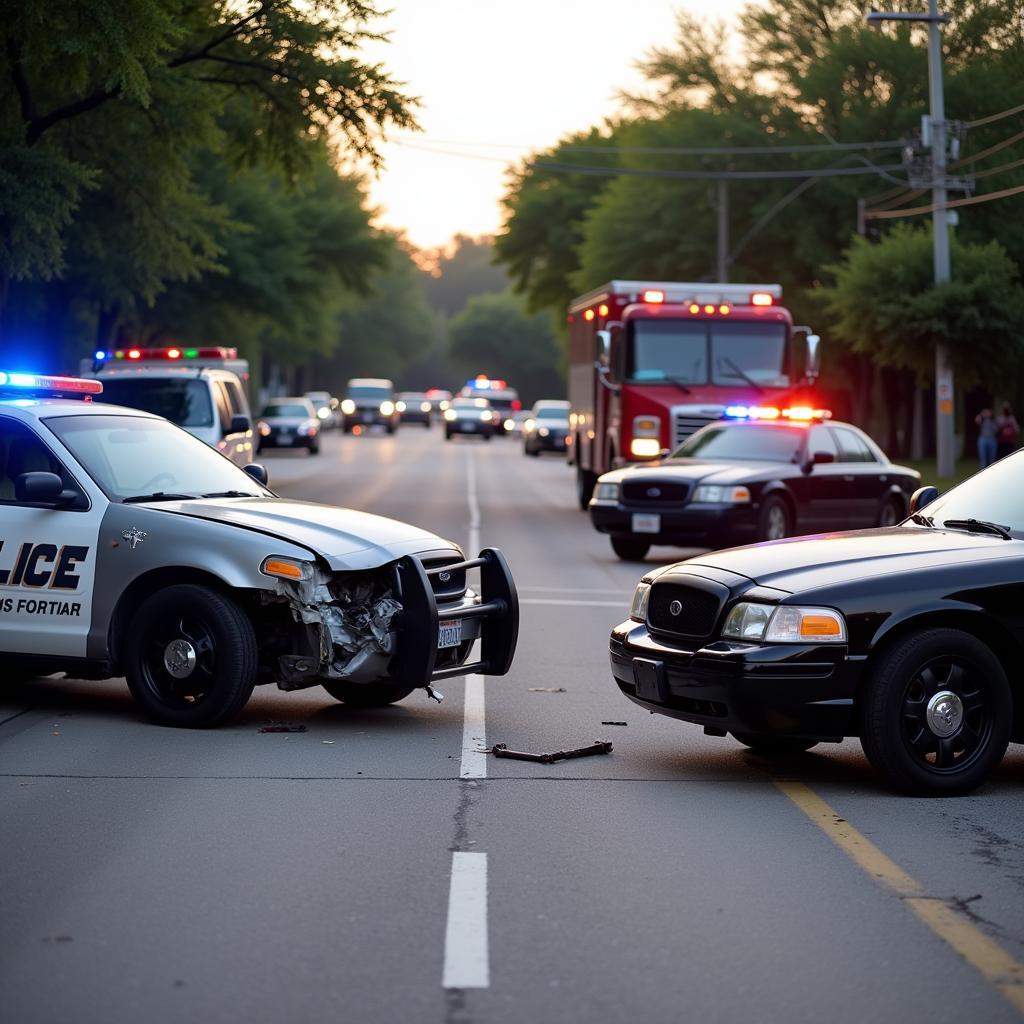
(891, 512)
(776, 520)
(366, 695)
(629, 549)
(922, 742)
(488, 437)
(212, 632)
(774, 746)
(447, 435)
(313, 449)
(390, 428)
(535, 452)
(585, 484)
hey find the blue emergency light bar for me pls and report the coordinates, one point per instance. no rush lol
(799, 413)
(46, 384)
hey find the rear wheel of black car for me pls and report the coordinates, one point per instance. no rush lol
(367, 695)
(630, 550)
(891, 512)
(585, 484)
(776, 519)
(937, 713)
(190, 657)
(774, 746)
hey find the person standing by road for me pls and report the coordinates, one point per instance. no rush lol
(1008, 435)
(988, 446)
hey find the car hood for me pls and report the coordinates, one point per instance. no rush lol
(697, 469)
(808, 563)
(344, 538)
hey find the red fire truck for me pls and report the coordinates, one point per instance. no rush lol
(650, 362)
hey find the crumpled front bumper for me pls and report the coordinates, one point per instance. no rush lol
(493, 616)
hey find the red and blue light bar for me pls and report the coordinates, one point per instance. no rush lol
(795, 414)
(47, 384)
(174, 352)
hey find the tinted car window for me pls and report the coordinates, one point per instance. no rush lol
(995, 495)
(380, 393)
(743, 443)
(286, 410)
(820, 440)
(851, 447)
(180, 400)
(551, 413)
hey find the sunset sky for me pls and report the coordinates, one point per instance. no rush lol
(500, 80)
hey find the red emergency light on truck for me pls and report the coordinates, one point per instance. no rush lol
(650, 362)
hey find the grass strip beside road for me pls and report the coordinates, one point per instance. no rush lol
(940, 914)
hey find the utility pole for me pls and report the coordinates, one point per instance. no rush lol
(722, 262)
(935, 137)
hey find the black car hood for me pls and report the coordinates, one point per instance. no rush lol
(693, 470)
(809, 563)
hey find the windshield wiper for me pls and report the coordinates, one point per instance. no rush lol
(230, 494)
(923, 520)
(679, 384)
(979, 526)
(158, 496)
(739, 373)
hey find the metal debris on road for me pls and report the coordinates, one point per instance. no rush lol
(547, 689)
(282, 727)
(501, 750)
(615, 723)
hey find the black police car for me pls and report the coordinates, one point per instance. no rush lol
(909, 637)
(749, 479)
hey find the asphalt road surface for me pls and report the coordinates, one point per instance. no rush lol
(375, 868)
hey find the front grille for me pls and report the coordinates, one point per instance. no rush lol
(682, 610)
(683, 426)
(665, 492)
(450, 589)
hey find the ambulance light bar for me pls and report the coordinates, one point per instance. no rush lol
(173, 352)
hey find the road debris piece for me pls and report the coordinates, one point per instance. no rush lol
(501, 750)
(615, 723)
(547, 689)
(282, 727)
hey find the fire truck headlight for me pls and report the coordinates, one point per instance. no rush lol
(646, 426)
(645, 447)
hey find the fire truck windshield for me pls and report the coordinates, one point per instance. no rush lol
(681, 351)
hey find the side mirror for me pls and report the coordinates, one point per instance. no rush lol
(922, 497)
(818, 459)
(615, 352)
(40, 489)
(258, 473)
(239, 424)
(813, 363)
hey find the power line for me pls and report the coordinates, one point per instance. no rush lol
(612, 172)
(995, 117)
(915, 211)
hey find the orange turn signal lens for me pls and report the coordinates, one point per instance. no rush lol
(284, 568)
(820, 625)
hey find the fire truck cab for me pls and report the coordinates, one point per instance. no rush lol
(651, 362)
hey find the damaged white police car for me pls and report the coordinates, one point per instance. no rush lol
(130, 548)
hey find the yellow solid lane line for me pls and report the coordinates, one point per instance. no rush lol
(997, 966)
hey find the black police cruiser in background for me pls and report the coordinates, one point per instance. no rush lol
(753, 478)
(909, 637)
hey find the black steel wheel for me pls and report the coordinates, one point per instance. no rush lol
(774, 746)
(190, 657)
(776, 520)
(891, 512)
(629, 549)
(937, 713)
(367, 695)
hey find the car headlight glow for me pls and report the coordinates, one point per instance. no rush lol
(323, 413)
(400, 406)
(543, 431)
(424, 407)
(638, 609)
(348, 407)
(509, 424)
(263, 428)
(721, 495)
(486, 415)
(449, 414)
(387, 408)
(607, 492)
(765, 623)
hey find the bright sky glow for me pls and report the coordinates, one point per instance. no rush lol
(503, 80)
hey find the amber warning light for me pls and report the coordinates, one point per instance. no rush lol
(654, 295)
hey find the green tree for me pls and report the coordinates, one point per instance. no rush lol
(460, 270)
(495, 335)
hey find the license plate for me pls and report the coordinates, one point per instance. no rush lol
(645, 522)
(650, 680)
(449, 633)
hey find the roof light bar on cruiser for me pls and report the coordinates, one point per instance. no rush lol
(47, 384)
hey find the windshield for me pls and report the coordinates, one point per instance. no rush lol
(470, 403)
(375, 393)
(995, 495)
(552, 412)
(682, 350)
(291, 409)
(129, 456)
(185, 401)
(737, 442)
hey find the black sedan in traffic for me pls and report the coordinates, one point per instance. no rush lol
(909, 637)
(738, 481)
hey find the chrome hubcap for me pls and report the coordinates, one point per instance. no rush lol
(179, 659)
(945, 713)
(776, 524)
